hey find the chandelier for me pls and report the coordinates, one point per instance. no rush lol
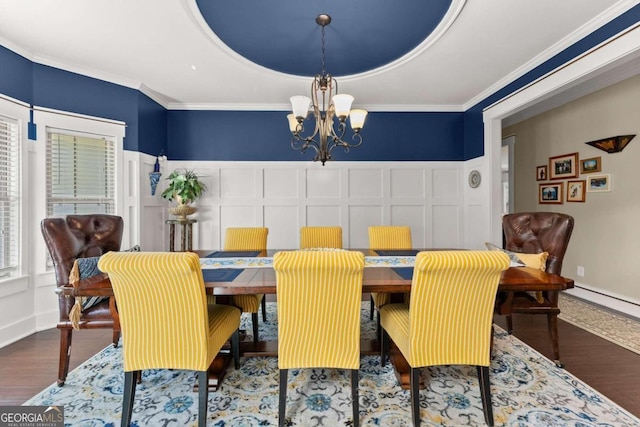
(327, 104)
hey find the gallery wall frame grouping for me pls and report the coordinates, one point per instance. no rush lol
(541, 173)
(576, 191)
(568, 166)
(564, 166)
(599, 183)
(591, 165)
(550, 193)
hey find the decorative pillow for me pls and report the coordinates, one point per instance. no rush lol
(537, 261)
(83, 268)
(513, 256)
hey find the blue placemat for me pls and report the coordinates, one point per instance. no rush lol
(233, 254)
(404, 272)
(225, 274)
(397, 252)
(220, 274)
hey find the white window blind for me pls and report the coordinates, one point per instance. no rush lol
(80, 173)
(9, 195)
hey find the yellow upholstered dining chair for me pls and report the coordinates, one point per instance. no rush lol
(319, 299)
(321, 237)
(448, 320)
(165, 319)
(248, 239)
(390, 237)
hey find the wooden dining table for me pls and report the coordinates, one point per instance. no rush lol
(392, 280)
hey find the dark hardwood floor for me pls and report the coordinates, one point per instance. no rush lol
(31, 364)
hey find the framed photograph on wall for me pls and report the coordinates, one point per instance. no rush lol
(591, 165)
(598, 183)
(550, 192)
(576, 191)
(565, 166)
(541, 173)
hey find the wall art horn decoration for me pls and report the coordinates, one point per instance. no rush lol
(613, 144)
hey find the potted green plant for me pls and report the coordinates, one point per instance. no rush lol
(185, 187)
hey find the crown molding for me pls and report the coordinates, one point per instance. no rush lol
(287, 107)
(586, 29)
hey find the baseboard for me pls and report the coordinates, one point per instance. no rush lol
(17, 330)
(606, 299)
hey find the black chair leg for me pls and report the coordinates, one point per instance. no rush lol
(203, 397)
(354, 397)
(509, 323)
(264, 308)
(373, 308)
(415, 396)
(384, 348)
(235, 348)
(378, 327)
(282, 402)
(254, 322)
(485, 393)
(128, 397)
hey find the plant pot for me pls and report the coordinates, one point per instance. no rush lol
(182, 211)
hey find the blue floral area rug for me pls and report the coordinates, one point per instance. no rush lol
(527, 390)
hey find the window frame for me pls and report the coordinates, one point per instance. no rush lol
(17, 280)
(77, 124)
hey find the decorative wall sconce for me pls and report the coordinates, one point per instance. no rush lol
(154, 177)
(612, 144)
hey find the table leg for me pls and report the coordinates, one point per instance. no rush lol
(190, 237)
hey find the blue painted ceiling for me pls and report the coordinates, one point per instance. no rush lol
(287, 39)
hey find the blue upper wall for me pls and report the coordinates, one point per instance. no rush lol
(50, 87)
(264, 135)
(252, 135)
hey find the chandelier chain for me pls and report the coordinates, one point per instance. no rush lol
(324, 70)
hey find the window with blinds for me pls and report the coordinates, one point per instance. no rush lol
(9, 195)
(80, 173)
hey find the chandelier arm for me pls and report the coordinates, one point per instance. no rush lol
(302, 143)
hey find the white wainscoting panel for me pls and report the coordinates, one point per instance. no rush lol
(408, 183)
(366, 183)
(414, 217)
(284, 196)
(323, 215)
(445, 183)
(445, 230)
(280, 183)
(360, 218)
(284, 224)
(323, 183)
(238, 183)
(240, 216)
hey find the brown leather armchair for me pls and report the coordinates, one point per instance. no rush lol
(533, 233)
(81, 236)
